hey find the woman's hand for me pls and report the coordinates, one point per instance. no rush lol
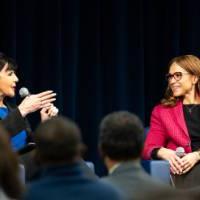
(189, 160)
(35, 102)
(174, 161)
(48, 112)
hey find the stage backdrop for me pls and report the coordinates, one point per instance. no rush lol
(98, 55)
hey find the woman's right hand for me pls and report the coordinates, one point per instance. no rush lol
(174, 161)
(35, 102)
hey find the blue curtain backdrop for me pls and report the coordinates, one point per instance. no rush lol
(98, 55)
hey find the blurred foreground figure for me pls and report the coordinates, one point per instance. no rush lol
(120, 143)
(59, 152)
(10, 185)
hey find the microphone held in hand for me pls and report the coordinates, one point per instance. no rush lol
(180, 152)
(24, 92)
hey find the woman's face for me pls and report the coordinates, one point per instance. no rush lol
(180, 81)
(8, 80)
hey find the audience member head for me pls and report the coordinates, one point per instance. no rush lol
(9, 168)
(121, 136)
(58, 141)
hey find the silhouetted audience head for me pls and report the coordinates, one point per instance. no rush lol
(9, 168)
(58, 140)
(121, 136)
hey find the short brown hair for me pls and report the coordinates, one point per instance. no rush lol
(121, 136)
(58, 140)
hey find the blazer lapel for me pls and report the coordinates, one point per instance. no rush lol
(179, 117)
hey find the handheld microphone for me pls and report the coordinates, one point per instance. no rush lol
(24, 92)
(180, 152)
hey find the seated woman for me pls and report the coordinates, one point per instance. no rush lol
(175, 122)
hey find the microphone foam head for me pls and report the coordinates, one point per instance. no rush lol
(23, 92)
(180, 151)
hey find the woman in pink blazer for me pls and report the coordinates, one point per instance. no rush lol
(175, 122)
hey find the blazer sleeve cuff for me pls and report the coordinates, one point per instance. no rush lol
(14, 122)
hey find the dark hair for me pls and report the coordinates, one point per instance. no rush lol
(191, 64)
(9, 168)
(121, 136)
(58, 140)
(5, 59)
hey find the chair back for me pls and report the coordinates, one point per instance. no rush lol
(22, 173)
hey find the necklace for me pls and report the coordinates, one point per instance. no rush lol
(190, 108)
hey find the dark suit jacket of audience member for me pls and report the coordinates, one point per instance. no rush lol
(36, 170)
(69, 182)
(135, 183)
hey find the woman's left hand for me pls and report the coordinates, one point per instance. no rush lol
(188, 161)
(48, 112)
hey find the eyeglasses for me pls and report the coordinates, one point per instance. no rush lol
(177, 76)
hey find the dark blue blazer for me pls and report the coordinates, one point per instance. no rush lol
(69, 182)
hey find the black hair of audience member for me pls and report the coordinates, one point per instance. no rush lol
(9, 168)
(58, 141)
(121, 136)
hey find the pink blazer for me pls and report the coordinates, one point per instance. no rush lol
(167, 129)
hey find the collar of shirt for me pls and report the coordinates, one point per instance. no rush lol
(113, 168)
